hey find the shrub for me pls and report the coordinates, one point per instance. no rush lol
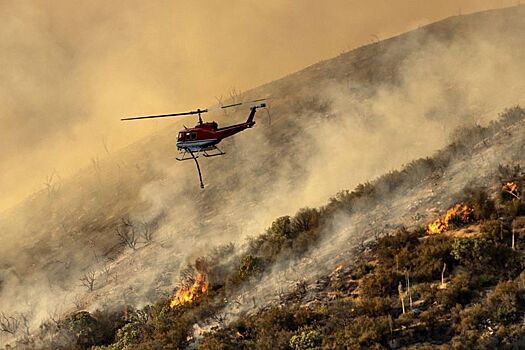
(126, 336)
(458, 291)
(375, 306)
(84, 328)
(511, 115)
(306, 339)
(282, 227)
(478, 199)
(481, 255)
(363, 331)
(381, 283)
(305, 220)
(429, 257)
(507, 303)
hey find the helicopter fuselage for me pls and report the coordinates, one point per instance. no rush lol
(205, 136)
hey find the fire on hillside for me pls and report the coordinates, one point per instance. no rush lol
(199, 287)
(512, 189)
(457, 215)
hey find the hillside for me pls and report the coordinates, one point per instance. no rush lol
(335, 124)
(363, 271)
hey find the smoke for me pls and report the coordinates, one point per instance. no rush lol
(365, 132)
(364, 114)
(70, 71)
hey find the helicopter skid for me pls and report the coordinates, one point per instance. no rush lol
(191, 154)
(215, 148)
(184, 157)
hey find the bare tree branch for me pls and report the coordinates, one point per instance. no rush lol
(9, 324)
(51, 184)
(25, 318)
(127, 234)
(147, 231)
(88, 280)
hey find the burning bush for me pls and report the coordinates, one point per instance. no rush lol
(510, 191)
(456, 216)
(200, 286)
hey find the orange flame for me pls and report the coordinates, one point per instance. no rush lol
(457, 214)
(511, 187)
(187, 295)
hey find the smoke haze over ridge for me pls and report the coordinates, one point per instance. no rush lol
(336, 124)
(71, 70)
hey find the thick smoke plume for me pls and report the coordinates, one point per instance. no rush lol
(334, 125)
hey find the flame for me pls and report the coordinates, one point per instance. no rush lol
(511, 187)
(458, 213)
(189, 294)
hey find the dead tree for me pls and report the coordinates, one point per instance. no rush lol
(51, 184)
(25, 324)
(409, 291)
(106, 271)
(443, 275)
(55, 318)
(79, 302)
(127, 234)
(401, 296)
(220, 102)
(9, 324)
(88, 280)
(235, 95)
(147, 232)
(220, 318)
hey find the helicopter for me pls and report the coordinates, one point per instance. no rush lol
(204, 137)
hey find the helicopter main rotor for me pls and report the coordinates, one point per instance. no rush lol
(197, 111)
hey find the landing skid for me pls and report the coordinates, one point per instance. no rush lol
(188, 154)
(217, 151)
(184, 157)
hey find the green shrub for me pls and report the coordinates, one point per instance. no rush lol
(306, 339)
(84, 328)
(480, 255)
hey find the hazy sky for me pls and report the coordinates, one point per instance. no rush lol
(71, 69)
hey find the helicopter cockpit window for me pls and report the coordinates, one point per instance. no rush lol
(193, 135)
(181, 136)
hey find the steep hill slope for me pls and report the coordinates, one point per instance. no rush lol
(334, 124)
(362, 271)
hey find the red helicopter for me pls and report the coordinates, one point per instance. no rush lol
(204, 137)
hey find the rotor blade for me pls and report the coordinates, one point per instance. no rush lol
(167, 115)
(196, 111)
(237, 104)
(232, 105)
